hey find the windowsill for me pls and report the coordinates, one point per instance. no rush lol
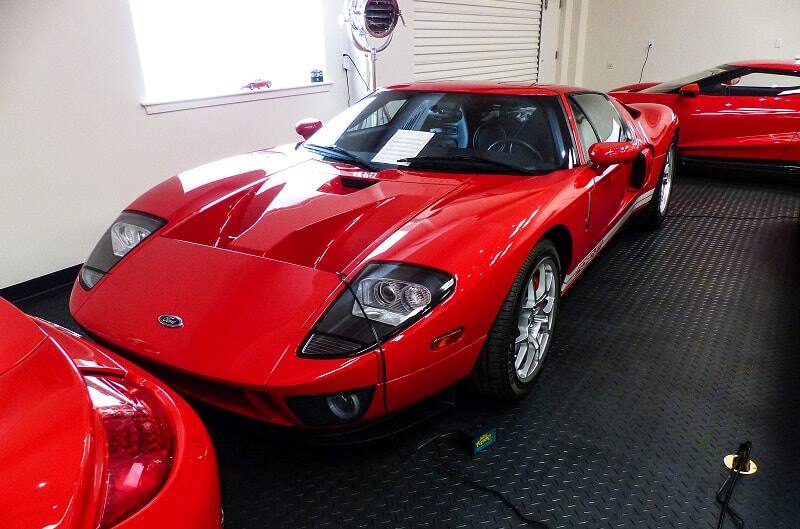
(158, 107)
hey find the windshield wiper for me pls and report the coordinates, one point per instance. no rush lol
(440, 161)
(334, 151)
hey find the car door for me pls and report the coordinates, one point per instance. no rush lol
(598, 120)
(747, 114)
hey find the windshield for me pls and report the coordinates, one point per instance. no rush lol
(675, 85)
(447, 131)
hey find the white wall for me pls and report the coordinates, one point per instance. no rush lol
(75, 145)
(690, 35)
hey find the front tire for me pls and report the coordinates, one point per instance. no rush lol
(518, 342)
(656, 211)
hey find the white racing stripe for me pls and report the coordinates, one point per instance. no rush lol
(640, 201)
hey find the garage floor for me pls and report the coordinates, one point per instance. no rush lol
(672, 349)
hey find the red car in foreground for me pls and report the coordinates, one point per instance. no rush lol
(89, 440)
(424, 235)
(744, 114)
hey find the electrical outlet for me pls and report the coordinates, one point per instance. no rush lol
(651, 43)
(779, 42)
(610, 66)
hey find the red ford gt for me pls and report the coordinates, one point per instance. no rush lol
(744, 114)
(423, 236)
(89, 440)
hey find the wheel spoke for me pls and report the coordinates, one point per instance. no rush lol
(529, 301)
(533, 356)
(522, 354)
(541, 319)
(541, 290)
(542, 342)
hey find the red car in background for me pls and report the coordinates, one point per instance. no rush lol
(424, 235)
(744, 114)
(89, 440)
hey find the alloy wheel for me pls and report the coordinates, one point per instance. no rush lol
(666, 180)
(536, 318)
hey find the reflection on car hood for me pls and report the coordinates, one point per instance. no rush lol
(313, 214)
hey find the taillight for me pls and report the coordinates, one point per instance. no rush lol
(139, 441)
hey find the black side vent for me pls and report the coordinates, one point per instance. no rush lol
(357, 183)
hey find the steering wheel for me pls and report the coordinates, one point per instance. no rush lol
(487, 129)
(510, 142)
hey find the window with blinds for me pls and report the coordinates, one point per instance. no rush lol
(494, 40)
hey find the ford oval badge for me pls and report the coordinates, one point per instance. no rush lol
(170, 320)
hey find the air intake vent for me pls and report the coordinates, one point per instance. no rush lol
(357, 183)
(326, 345)
(380, 17)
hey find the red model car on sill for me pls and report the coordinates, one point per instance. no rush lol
(423, 236)
(258, 84)
(90, 440)
(743, 114)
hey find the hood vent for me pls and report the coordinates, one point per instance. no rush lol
(357, 183)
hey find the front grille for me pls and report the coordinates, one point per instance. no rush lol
(326, 345)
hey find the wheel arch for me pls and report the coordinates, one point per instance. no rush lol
(561, 238)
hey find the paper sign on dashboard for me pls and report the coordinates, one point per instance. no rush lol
(404, 144)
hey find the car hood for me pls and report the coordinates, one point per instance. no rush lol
(47, 423)
(248, 271)
(314, 214)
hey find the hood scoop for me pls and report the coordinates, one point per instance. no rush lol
(313, 216)
(344, 185)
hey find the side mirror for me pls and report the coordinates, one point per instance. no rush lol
(307, 127)
(690, 90)
(612, 153)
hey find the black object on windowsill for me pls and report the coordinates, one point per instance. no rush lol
(316, 76)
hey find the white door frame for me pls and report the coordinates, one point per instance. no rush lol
(549, 41)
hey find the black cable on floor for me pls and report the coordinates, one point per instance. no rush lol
(530, 521)
(725, 492)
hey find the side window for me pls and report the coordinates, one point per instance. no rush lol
(381, 116)
(763, 83)
(753, 84)
(604, 118)
(585, 129)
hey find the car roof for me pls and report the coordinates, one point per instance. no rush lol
(488, 87)
(792, 66)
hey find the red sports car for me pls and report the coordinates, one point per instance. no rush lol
(90, 440)
(744, 114)
(424, 235)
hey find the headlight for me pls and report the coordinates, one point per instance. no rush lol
(393, 296)
(127, 232)
(390, 301)
(126, 236)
